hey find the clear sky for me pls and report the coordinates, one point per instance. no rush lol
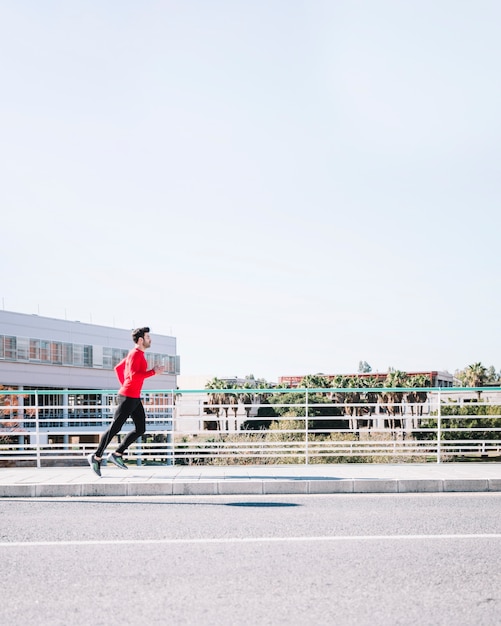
(288, 187)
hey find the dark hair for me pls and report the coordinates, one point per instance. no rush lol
(139, 332)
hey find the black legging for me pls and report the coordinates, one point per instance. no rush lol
(132, 407)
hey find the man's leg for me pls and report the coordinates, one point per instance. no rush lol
(139, 417)
(125, 407)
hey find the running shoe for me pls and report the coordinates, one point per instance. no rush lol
(115, 458)
(94, 464)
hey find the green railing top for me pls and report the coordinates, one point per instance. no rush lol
(242, 390)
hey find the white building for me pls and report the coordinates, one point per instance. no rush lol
(42, 352)
(193, 409)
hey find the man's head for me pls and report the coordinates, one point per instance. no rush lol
(141, 337)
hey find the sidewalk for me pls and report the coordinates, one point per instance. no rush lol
(247, 480)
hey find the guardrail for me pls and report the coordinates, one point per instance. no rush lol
(258, 426)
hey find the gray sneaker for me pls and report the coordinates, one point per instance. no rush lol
(117, 460)
(94, 464)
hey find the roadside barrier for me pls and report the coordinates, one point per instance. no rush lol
(258, 426)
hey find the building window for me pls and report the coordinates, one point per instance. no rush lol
(56, 353)
(112, 357)
(45, 351)
(171, 363)
(87, 356)
(23, 349)
(107, 358)
(10, 350)
(34, 349)
(67, 354)
(118, 355)
(78, 355)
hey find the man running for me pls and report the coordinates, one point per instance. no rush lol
(131, 373)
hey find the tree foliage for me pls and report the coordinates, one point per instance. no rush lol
(8, 407)
(477, 375)
(364, 367)
(468, 424)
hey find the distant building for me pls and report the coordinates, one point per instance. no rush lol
(438, 379)
(193, 409)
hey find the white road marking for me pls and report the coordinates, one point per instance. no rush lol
(237, 540)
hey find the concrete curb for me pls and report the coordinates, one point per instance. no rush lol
(208, 487)
(249, 480)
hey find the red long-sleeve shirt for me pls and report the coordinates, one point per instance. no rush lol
(131, 373)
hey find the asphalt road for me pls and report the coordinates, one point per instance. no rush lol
(334, 559)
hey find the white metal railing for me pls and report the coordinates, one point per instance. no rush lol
(258, 425)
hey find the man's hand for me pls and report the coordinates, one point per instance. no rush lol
(159, 369)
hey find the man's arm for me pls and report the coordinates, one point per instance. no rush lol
(120, 371)
(139, 366)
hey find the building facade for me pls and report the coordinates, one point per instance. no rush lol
(43, 352)
(436, 378)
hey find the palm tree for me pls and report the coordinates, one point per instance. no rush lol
(314, 381)
(319, 409)
(338, 382)
(351, 398)
(416, 397)
(262, 402)
(393, 399)
(216, 399)
(348, 398)
(247, 398)
(370, 396)
(233, 399)
(372, 382)
(475, 375)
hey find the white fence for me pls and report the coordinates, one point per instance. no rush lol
(257, 426)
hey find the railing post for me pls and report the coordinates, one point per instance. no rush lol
(306, 451)
(170, 430)
(21, 417)
(66, 438)
(37, 431)
(139, 460)
(439, 428)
